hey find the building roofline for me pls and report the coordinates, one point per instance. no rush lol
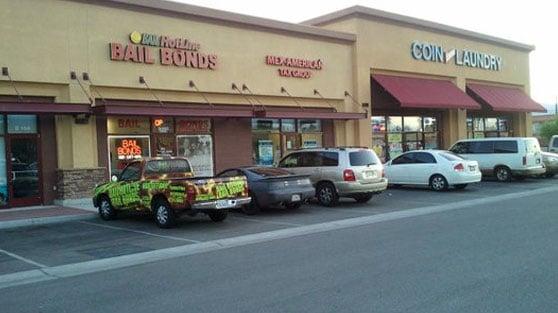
(362, 11)
(213, 14)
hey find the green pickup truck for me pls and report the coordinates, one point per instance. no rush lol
(167, 188)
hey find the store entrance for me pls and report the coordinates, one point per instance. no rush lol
(23, 166)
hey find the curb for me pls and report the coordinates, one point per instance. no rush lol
(44, 220)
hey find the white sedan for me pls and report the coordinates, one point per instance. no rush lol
(438, 169)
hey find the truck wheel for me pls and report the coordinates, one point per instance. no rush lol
(164, 214)
(363, 197)
(294, 205)
(327, 195)
(106, 210)
(217, 216)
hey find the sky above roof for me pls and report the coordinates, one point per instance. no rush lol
(531, 22)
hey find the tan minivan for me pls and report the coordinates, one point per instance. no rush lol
(339, 172)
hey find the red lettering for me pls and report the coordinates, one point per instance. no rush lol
(148, 57)
(203, 61)
(166, 56)
(116, 51)
(179, 58)
(191, 59)
(212, 61)
(131, 53)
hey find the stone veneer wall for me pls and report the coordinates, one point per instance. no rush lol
(79, 183)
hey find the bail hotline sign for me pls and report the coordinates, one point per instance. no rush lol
(165, 50)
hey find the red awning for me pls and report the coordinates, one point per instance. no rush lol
(123, 107)
(45, 107)
(504, 99)
(425, 93)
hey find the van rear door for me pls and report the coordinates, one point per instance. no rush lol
(533, 156)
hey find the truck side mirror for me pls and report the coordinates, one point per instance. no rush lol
(114, 178)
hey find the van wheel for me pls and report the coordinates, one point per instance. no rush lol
(460, 186)
(164, 214)
(549, 175)
(438, 183)
(327, 195)
(106, 210)
(503, 174)
(218, 216)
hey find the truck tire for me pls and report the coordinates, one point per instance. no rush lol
(218, 216)
(106, 210)
(503, 174)
(164, 214)
(251, 208)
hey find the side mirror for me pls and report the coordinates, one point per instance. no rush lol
(114, 178)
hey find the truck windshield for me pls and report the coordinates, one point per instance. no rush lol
(167, 166)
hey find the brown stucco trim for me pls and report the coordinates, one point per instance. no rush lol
(218, 15)
(49, 157)
(364, 12)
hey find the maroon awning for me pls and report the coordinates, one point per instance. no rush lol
(504, 99)
(45, 107)
(124, 107)
(412, 92)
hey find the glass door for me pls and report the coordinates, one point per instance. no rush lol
(23, 170)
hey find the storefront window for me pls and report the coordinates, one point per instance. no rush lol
(266, 148)
(288, 125)
(22, 124)
(378, 124)
(124, 149)
(395, 124)
(430, 124)
(265, 124)
(484, 127)
(128, 125)
(198, 149)
(306, 126)
(412, 123)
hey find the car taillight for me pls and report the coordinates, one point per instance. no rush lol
(459, 167)
(383, 173)
(191, 193)
(524, 160)
(349, 175)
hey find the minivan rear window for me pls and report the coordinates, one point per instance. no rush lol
(363, 158)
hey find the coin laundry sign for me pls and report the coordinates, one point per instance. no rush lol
(435, 53)
(180, 52)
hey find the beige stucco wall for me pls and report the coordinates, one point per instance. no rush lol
(43, 40)
(384, 46)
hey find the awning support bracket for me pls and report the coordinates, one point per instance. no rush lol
(353, 100)
(85, 76)
(73, 76)
(193, 86)
(284, 90)
(144, 82)
(316, 92)
(6, 72)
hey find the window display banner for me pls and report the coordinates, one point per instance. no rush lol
(265, 152)
(198, 149)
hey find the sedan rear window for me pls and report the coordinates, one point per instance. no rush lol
(363, 158)
(269, 171)
(450, 156)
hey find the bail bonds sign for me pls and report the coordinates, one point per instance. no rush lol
(435, 53)
(180, 52)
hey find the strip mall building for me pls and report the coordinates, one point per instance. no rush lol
(87, 86)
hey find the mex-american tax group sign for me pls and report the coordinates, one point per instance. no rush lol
(429, 52)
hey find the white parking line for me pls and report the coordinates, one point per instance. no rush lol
(140, 232)
(123, 261)
(268, 222)
(26, 260)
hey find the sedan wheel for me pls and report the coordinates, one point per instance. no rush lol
(438, 183)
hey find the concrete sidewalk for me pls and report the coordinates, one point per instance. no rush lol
(39, 215)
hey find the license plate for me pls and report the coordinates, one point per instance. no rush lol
(472, 168)
(369, 174)
(224, 204)
(295, 198)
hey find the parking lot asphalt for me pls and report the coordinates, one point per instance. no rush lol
(34, 247)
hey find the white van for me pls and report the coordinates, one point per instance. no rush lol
(503, 157)
(553, 144)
